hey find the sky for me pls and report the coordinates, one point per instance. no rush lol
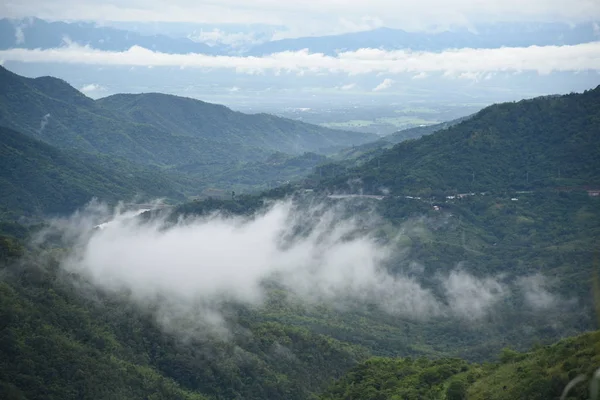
(313, 17)
(237, 76)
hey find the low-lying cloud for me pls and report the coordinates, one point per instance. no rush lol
(386, 84)
(43, 123)
(92, 88)
(19, 35)
(453, 62)
(186, 270)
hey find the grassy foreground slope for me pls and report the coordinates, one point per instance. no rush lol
(541, 374)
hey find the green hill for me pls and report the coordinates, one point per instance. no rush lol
(154, 128)
(541, 374)
(189, 117)
(531, 144)
(36, 178)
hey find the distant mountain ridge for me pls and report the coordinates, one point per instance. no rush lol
(34, 33)
(492, 36)
(37, 33)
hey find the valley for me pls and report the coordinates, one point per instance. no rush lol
(156, 246)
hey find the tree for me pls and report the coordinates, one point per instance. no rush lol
(457, 390)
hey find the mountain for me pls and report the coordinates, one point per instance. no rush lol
(51, 110)
(155, 129)
(188, 117)
(488, 36)
(358, 155)
(36, 178)
(505, 268)
(35, 33)
(541, 143)
(537, 375)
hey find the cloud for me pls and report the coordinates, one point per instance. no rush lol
(19, 35)
(451, 63)
(186, 271)
(472, 297)
(349, 86)
(219, 37)
(420, 75)
(313, 16)
(43, 123)
(91, 88)
(386, 84)
(234, 89)
(536, 292)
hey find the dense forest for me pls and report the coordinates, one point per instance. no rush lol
(540, 374)
(532, 144)
(38, 179)
(490, 224)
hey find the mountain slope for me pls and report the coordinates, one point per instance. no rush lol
(37, 178)
(153, 129)
(537, 375)
(52, 111)
(58, 343)
(531, 144)
(189, 117)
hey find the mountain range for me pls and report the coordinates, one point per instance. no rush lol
(35, 33)
(495, 209)
(492, 36)
(185, 137)
(154, 128)
(32, 33)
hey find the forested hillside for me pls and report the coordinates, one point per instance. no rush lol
(58, 343)
(539, 249)
(154, 128)
(188, 117)
(541, 374)
(37, 179)
(478, 254)
(531, 144)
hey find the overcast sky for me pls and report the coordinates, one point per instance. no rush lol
(388, 71)
(310, 17)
